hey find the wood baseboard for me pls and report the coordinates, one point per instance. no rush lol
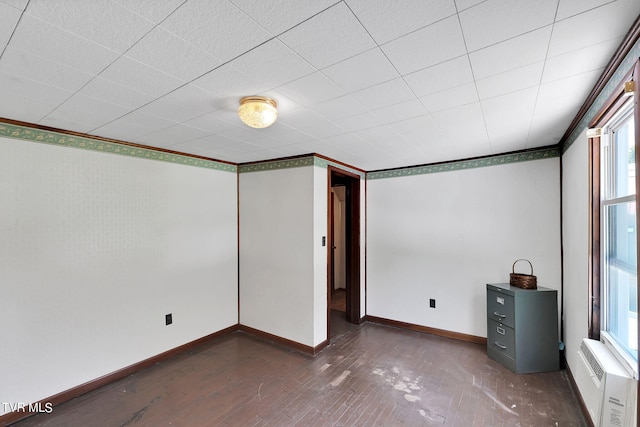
(283, 341)
(74, 392)
(433, 331)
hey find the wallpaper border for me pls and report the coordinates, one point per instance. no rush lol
(24, 133)
(497, 160)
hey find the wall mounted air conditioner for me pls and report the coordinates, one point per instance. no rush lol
(607, 389)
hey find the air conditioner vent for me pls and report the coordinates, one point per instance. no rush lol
(593, 362)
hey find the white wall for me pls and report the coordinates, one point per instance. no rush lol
(95, 249)
(445, 235)
(575, 228)
(277, 252)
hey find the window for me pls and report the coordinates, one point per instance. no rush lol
(618, 220)
(614, 136)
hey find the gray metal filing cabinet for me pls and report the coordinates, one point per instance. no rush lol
(522, 327)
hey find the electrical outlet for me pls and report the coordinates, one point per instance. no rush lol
(168, 319)
(432, 303)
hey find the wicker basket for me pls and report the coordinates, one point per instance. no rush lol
(525, 281)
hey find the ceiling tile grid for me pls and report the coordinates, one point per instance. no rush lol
(371, 83)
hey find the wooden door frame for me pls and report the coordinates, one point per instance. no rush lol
(352, 244)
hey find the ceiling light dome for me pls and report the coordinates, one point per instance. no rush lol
(258, 111)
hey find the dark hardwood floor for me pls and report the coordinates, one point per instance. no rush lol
(370, 375)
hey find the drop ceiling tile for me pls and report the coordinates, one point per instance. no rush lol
(229, 82)
(419, 130)
(209, 123)
(466, 4)
(513, 53)
(323, 129)
(567, 8)
(16, 4)
(108, 91)
(510, 81)
(451, 98)
(301, 118)
(384, 94)
(45, 40)
(28, 100)
(386, 21)
(273, 64)
(217, 27)
(605, 23)
(311, 89)
(576, 87)
(336, 108)
(278, 16)
(329, 37)
(508, 119)
(145, 120)
(153, 10)
(9, 18)
(438, 43)
(136, 75)
(497, 20)
(401, 111)
(439, 77)
(185, 103)
(91, 112)
(473, 132)
(358, 122)
(179, 58)
(20, 63)
(578, 61)
(366, 69)
(94, 21)
(123, 129)
(171, 136)
(289, 138)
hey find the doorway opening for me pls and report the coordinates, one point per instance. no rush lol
(343, 284)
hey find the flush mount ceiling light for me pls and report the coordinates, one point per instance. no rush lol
(258, 111)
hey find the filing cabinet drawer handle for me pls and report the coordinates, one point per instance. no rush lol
(502, 316)
(504, 347)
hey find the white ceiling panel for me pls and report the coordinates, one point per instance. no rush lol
(45, 40)
(510, 81)
(497, 20)
(136, 75)
(312, 89)
(274, 64)
(474, 130)
(451, 98)
(24, 64)
(511, 54)
(179, 58)
(16, 4)
(328, 38)
(106, 90)
(153, 10)
(386, 21)
(268, 13)
(217, 27)
(428, 46)
(608, 22)
(400, 111)
(443, 76)
(384, 94)
(28, 100)
(93, 20)
(371, 83)
(568, 8)
(9, 17)
(93, 112)
(361, 71)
